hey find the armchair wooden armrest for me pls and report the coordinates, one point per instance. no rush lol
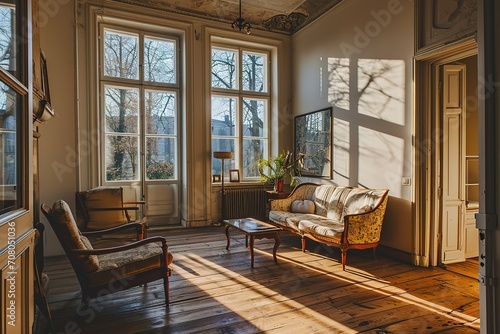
(137, 226)
(100, 251)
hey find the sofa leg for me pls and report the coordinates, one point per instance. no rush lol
(374, 255)
(303, 244)
(344, 258)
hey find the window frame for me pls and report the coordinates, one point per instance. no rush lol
(20, 81)
(143, 86)
(240, 95)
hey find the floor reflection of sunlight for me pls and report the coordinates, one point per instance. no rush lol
(278, 304)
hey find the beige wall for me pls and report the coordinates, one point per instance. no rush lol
(358, 59)
(58, 173)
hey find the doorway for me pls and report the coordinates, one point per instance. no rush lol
(457, 160)
(444, 225)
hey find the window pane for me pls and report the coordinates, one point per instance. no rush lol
(121, 158)
(225, 145)
(160, 112)
(254, 72)
(10, 106)
(120, 55)
(7, 37)
(160, 158)
(253, 150)
(224, 68)
(159, 60)
(223, 116)
(121, 110)
(254, 118)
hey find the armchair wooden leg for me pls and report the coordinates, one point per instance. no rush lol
(303, 244)
(166, 287)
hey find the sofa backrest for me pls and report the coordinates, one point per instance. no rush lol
(336, 201)
(361, 200)
(329, 200)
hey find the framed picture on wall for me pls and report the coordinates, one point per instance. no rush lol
(313, 138)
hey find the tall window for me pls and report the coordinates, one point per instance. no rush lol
(140, 89)
(13, 96)
(240, 107)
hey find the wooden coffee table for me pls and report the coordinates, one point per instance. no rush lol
(253, 229)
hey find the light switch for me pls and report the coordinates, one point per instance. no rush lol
(406, 181)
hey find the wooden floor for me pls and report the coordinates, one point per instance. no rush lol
(216, 291)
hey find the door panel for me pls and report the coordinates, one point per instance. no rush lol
(452, 220)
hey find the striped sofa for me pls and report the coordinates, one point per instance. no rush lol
(343, 217)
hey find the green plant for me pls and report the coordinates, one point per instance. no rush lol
(278, 168)
(159, 170)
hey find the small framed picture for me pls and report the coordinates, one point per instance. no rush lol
(216, 178)
(234, 175)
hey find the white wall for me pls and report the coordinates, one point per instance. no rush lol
(358, 59)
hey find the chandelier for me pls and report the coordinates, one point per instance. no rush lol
(241, 24)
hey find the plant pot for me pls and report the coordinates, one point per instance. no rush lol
(278, 185)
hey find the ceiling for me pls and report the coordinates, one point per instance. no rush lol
(285, 16)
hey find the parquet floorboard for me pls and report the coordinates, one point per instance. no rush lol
(214, 290)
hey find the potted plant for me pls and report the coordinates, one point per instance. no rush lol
(275, 169)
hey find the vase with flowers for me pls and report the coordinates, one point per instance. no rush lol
(275, 169)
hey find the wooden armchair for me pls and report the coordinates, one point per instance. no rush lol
(103, 208)
(121, 267)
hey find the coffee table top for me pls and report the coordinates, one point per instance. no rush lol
(251, 225)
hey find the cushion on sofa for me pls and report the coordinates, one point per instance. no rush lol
(286, 219)
(302, 206)
(358, 198)
(335, 204)
(363, 209)
(323, 228)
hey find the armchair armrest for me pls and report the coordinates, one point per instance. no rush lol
(139, 227)
(114, 209)
(134, 202)
(101, 251)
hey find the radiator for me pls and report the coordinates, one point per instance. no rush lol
(246, 203)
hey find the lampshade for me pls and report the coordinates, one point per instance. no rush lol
(223, 155)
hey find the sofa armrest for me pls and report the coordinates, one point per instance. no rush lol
(301, 192)
(364, 228)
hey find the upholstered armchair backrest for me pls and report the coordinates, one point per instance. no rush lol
(64, 225)
(105, 197)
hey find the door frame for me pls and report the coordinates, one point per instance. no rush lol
(427, 146)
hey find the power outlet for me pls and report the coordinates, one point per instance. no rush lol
(406, 181)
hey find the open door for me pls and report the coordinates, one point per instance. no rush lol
(453, 210)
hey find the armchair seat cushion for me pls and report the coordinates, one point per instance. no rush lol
(121, 265)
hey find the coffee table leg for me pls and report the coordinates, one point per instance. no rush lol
(277, 242)
(226, 230)
(252, 239)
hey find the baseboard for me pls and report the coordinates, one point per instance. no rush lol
(395, 253)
